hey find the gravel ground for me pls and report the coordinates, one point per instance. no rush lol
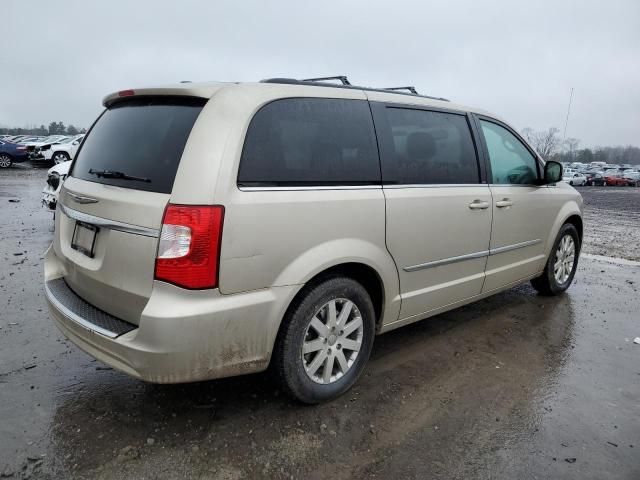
(612, 217)
(514, 386)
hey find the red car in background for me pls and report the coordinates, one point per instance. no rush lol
(615, 179)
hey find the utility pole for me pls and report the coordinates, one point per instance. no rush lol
(564, 135)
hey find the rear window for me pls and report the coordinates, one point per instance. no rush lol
(142, 137)
(310, 141)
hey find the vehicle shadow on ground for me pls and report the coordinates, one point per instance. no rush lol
(419, 369)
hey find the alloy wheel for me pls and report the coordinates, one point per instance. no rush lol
(5, 161)
(59, 158)
(332, 341)
(564, 260)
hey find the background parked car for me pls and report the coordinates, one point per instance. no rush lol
(55, 177)
(29, 140)
(63, 151)
(35, 148)
(595, 178)
(574, 179)
(632, 177)
(10, 153)
(614, 178)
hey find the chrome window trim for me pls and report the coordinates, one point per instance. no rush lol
(308, 188)
(471, 256)
(105, 223)
(360, 187)
(530, 185)
(434, 185)
(75, 317)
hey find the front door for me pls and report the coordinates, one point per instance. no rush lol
(523, 212)
(438, 209)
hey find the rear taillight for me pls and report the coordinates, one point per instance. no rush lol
(189, 248)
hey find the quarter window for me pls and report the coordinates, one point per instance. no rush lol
(511, 162)
(429, 147)
(310, 141)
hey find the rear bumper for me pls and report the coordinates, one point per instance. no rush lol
(182, 336)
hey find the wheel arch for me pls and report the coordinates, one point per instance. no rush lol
(365, 274)
(570, 213)
(576, 221)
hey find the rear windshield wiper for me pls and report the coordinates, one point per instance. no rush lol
(118, 175)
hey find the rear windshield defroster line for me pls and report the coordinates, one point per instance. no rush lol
(143, 138)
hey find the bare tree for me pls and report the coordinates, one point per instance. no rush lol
(546, 142)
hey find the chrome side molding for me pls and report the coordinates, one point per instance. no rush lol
(515, 246)
(471, 256)
(446, 261)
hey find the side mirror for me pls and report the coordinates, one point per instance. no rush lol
(552, 172)
(76, 142)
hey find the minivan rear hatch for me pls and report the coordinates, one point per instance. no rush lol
(111, 205)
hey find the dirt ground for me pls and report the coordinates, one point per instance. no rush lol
(612, 216)
(515, 386)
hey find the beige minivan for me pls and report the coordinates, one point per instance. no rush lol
(210, 230)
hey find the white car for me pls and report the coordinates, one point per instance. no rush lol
(55, 177)
(574, 178)
(34, 147)
(63, 151)
(40, 141)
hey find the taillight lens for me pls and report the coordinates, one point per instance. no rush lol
(189, 248)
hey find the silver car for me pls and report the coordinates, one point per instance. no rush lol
(210, 230)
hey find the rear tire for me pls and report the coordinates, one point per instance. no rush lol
(334, 323)
(562, 263)
(5, 160)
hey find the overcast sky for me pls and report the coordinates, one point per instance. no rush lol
(516, 59)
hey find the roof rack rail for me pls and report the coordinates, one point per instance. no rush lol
(409, 89)
(342, 78)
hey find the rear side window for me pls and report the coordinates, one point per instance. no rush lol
(428, 147)
(143, 138)
(310, 141)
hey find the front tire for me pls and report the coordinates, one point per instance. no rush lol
(325, 340)
(5, 160)
(562, 263)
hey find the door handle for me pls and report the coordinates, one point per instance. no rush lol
(505, 202)
(478, 205)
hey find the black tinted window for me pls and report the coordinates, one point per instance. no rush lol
(141, 137)
(426, 147)
(310, 141)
